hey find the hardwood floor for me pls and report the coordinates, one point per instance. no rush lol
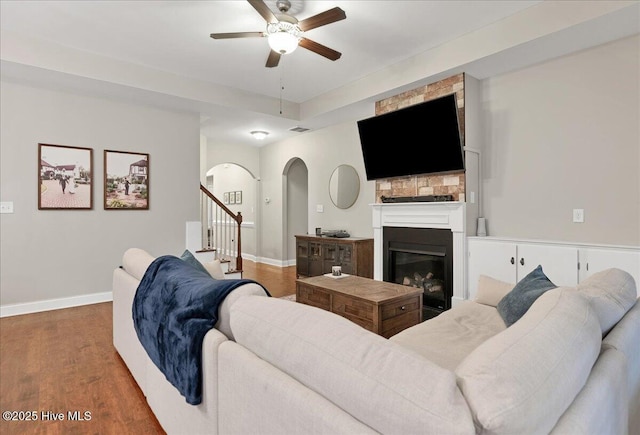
(280, 281)
(64, 362)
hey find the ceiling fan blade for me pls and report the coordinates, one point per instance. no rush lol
(263, 10)
(320, 49)
(322, 19)
(273, 59)
(237, 35)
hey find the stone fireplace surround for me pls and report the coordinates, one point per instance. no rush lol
(443, 215)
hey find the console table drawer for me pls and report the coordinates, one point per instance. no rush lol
(314, 297)
(399, 308)
(349, 307)
(399, 323)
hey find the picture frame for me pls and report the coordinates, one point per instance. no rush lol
(126, 180)
(225, 197)
(238, 196)
(232, 197)
(65, 177)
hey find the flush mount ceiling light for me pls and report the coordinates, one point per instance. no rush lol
(259, 134)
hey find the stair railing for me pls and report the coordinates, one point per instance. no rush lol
(220, 229)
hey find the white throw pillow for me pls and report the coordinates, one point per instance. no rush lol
(215, 269)
(491, 290)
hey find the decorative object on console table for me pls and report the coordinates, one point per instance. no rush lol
(65, 177)
(381, 307)
(482, 227)
(317, 255)
(126, 180)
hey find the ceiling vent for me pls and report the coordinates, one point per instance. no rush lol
(299, 129)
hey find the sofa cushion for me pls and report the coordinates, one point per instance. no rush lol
(491, 290)
(528, 375)
(515, 303)
(136, 261)
(448, 338)
(611, 293)
(385, 386)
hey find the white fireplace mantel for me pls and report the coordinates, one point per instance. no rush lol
(442, 215)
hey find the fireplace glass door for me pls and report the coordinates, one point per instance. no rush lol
(421, 258)
(425, 270)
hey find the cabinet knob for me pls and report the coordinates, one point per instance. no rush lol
(522, 261)
(403, 308)
(513, 260)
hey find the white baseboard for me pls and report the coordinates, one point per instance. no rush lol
(271, 261)
(54, 304)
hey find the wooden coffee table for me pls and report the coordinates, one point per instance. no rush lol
(380, 307)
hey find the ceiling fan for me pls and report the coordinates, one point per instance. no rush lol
(285, 32)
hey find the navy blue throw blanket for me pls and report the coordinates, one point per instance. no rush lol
(173, 309)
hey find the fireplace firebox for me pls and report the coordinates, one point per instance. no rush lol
(421, 258)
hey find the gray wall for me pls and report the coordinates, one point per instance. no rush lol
(562, 135)
(321, 151)
(52, 254)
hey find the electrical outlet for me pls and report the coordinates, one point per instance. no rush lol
(6, 207)
(578, 215)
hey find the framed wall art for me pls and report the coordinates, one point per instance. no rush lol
(65, 177)
(126, 180)
(232, 197)
(238, 196)
(225, 197)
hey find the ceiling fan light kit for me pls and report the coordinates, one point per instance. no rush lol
(284, 31)
(283, 37)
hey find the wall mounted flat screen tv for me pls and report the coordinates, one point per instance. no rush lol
(419, 139)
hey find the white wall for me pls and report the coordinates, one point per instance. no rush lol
(52, 254)
(562, 135)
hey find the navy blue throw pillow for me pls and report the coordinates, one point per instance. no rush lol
(515, 303)
(188, 258)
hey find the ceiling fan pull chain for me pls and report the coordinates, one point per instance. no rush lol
(281, 87)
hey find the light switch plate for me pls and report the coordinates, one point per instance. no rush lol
(578, 215)
(320, 208)
(6, 207)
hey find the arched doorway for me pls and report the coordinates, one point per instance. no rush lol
(295, 206)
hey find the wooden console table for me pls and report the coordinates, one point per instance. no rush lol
(315, 255)
(381, 307)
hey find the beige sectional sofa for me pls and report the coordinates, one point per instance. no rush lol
(571, 364)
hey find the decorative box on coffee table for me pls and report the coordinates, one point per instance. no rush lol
(380, 307)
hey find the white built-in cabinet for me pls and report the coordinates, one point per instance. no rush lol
(510, 260)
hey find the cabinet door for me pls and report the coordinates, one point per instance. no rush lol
(302, 257)
(490, 258)
(330, 256)
(345, 255)
(315, 258)
(594, 260)
(559, 263)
